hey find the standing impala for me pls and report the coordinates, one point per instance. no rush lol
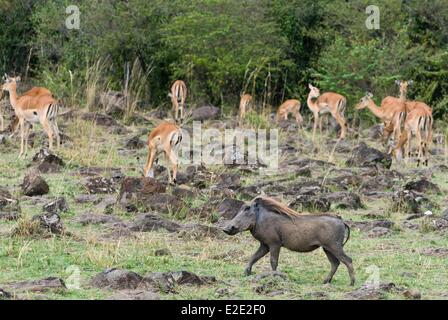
(418, 123)
(33, 109)
(33, 92)
(178, 97)
(245, 106)
(166, 138)
(287, 107)
(391, 113)
(328, 102)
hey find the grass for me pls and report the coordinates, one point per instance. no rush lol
(25, 258)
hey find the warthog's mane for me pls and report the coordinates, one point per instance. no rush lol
(276, 206)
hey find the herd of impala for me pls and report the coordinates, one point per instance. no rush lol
(402, 119)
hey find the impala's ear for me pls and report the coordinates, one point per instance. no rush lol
(370, 94)
(310, 86)
(397, 82)
(410, 82)
(17, 79)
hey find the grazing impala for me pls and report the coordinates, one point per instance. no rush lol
(33, 109)
(392, 114)
(245, 106)
(418, 123)
(328, 102)
(290, 106)
(178, 97)
(166, 138)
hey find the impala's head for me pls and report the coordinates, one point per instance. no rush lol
(364, 102)
(403, 85)
(314, 92)
(9, 82)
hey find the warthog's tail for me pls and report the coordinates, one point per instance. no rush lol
(348, 233)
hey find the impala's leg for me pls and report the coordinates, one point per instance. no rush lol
(320, 125)
(173, 159)
(316, 120)
(148, 171)
(182, 110)
(22, 135)
(55, 128)
(408, 145)
(342, 123)
(47, 128)
(27, 134)
(167, 158)
(1, 121)
(418, 137)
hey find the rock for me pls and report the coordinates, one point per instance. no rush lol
(114, 173)
(229, 181)
(136, 191)
(228, 208)
(150, 222)
(198, 231)
(377, 232)
(98, 185)
(50, 283)
(366, 226)
(158, 114)
(9, 207)
(365, 156)
(370, 292)
(134, 295)
(445, 214)
(410, 202)
(164, 281)
(113, 103)
(205, 113)
(162, 252)
(162, 202)
(88, 198)
(90, 218)
(376, 132)
(271, 274)
(345, 200)
(135, 143)
(4, 295)
(47, 162)
(436, 252)
(117, 279)
(56, 206)
(34, 185)
(412, 294)
(440, 224)
(183, 191)
(345, 182)
(100, 119)
(311, 203)
(186, 277)
(422, 186)
(50, 222)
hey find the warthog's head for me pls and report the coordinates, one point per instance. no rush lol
(244, 220)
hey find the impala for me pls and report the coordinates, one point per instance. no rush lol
(391, 113)
(245, 104)
(33, 92)
(33, 109)
(328, 102)
(410, 105)
(178, 97)
(290, 106)
(418, 123)
(166, 138)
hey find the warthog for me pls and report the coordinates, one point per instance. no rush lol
(275, 225)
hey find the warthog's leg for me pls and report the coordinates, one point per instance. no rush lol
(275, 251)
(260, 253)
(339, 253)
(334, 265)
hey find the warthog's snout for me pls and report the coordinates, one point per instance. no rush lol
(230, 230)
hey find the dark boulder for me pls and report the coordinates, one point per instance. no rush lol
(228, 208)
(47, 162)
(422, 186)
(311, 203)
(365, 156)
(56, 206)
(151, 222)
(9, 207)
(205, 113)
(34, 185)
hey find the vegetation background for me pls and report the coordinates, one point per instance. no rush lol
(270, 48)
